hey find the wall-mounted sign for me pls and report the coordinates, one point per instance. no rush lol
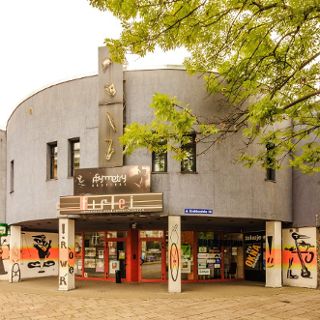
(114, 265)
(3, 229)
(126, 179)
(112, 203)
(198, 211)
(204, 272)
(253, 256)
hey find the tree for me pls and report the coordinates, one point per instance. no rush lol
(265, 55)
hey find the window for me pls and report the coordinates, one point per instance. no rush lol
(11, 175)
(159, 161)
(52, 160)
(271, 172)
(74, 155)
(189, 163)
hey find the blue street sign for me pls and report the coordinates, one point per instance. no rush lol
(198, 211)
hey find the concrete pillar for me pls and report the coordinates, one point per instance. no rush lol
(66, 254)
(174, 254)
(273, 254)
(15, 253)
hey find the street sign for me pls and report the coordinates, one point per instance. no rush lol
(198, 211)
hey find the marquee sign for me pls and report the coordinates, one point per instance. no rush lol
(126, 179)
(111, 203)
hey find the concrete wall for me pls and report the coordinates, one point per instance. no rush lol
(3, 153)
(228, 188)
(58, 113)
(306, 200)
(70, 110)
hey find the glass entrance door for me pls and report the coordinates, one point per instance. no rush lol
(152, 256)
(116, 258)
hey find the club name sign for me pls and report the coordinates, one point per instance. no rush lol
(126, 179)
(111, 203)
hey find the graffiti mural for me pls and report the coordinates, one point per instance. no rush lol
(269, 253)
(299, 257)
(174, 257)
(39, 254)
(4, 257)
(43, 247)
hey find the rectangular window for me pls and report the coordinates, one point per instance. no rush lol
(52, 160)
(11, 175)
(159, 161)
(270, 172)
(189, 163)
(74, 155)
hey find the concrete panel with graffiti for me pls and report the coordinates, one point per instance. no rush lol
(4, 257)
(299, 257)
(39, 254)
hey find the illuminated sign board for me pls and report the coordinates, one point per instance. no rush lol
(111, 203)
(126, 179)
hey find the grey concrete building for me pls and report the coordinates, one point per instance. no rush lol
(143, 217)
(3, 163)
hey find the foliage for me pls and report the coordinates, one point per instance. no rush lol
(261, 48)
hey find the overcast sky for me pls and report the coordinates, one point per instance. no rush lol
(47, 41)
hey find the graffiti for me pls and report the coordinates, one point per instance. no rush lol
(270, 258)
(174, 254)
(15, 273)
(43, 248)
(2, 268)
(253, 255)
(302, 250)
(66, 259)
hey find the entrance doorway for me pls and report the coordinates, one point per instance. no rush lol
(152, 252)
(100, 254)
(116, 258)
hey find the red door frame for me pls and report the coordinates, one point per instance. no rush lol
(162, 240)
(106, 258)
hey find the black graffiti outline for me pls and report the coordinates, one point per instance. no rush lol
(290, 275)
(308, 258)
(15, 272)
(174, 258)
(43, 247)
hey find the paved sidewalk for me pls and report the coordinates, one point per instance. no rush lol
(40, 299)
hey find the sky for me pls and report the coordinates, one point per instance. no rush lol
(43, 42)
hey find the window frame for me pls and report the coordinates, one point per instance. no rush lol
(71, 144)
(160, 154)
(270, 172)
(11, 176)
(52, 160)
(192, 146)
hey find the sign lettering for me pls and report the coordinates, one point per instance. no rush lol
(122, 203)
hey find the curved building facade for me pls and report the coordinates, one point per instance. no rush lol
(76, 204)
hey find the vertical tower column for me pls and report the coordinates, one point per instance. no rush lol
(66, 254)
(174, 253)
(15, 253)
(273, 254)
